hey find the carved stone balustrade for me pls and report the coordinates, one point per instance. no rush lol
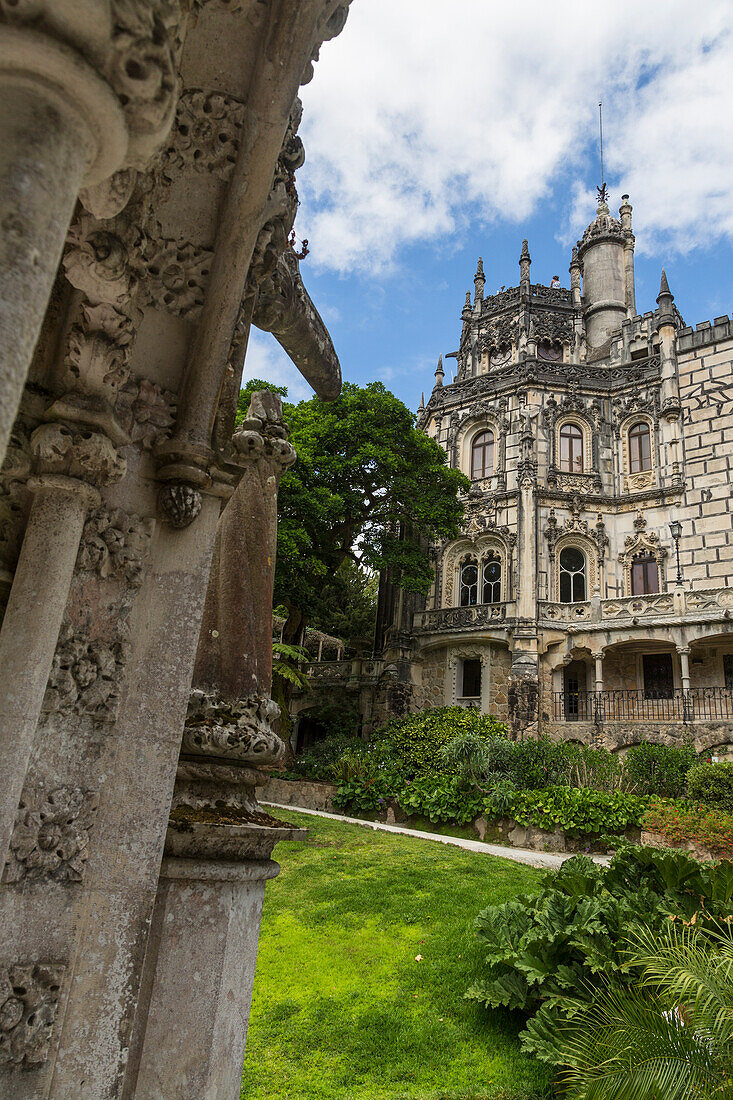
(449, 619)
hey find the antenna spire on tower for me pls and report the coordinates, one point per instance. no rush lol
(602, 190)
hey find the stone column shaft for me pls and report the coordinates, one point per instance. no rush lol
(60, 126)
(527, 571)
(684, 653)
(199, 975)
(31, 627)
(598, 658)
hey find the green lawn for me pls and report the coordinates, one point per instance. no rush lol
(341, 1007)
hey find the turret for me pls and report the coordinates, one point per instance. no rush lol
(479, 282)
(601, 252)
(524, 264)
(575, 277)
(625, 213)
(665, 302)
(439, 373)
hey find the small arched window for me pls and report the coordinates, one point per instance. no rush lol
(482, 455)
(640, 448)
(492, 579)
(572, 575)
(571, 449)
(469, 583)
(644, 575)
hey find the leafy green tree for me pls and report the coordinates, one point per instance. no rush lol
(670, 1037)
(346, 606)
(367, 486)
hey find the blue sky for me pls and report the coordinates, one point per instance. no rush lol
(436, 133)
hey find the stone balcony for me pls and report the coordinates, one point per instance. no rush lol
(452, 619)
(611, 614)
(620, 613)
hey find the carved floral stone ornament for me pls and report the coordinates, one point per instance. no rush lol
(29, 994)
(114, 544)
(51, 835)
(142, 70)
(178, 273)
(241, 730)
(206, 133)
(145, 411)
(84, 676)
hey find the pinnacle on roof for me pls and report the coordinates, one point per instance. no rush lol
(467, 304)
(664, 285)
(421, 406)
(479, 269)
(525, 251)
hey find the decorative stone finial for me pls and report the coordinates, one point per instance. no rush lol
(179, 504)
(439, 372)
(467, 303)
(524, 262)
(421, 406)
(479, 281)
(665, 299)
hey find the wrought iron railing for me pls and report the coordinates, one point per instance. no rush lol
(672, 705)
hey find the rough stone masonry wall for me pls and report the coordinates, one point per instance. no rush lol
(501, 662)
(430, 691)
(705, 361)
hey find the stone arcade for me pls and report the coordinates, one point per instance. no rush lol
(147, 194)
(598, 444)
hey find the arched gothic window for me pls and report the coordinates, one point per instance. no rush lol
(644, 575)
(469, 583)
(492, 579)
(572, 575)
(482, 455)
(571, 449)
(640, 447)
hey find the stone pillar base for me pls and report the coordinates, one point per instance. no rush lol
(191, 1023)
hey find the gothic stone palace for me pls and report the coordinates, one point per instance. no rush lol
(588, 596)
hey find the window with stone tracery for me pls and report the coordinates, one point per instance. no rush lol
(492, 578)
(640, 447)
(469, 583)
(571, 449)
(482, 455)
(644, 575)
(572, 575)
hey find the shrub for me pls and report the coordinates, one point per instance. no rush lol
(317, 761)
(659, 769)
(414, 743)
(678, 822)
(712, 784)
(441, 798)
(578, 810)
(544, 951)
(363, 794)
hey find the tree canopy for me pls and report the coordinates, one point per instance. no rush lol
(367, 486)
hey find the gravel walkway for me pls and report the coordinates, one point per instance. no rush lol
(545, 860)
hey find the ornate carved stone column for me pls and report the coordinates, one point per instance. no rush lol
(209, 902)
(70, 465)
(523, 684)
(86, 92)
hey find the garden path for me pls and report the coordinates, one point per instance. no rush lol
(547, 860)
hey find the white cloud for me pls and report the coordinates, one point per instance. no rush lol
(266, 360)
(423, 113)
